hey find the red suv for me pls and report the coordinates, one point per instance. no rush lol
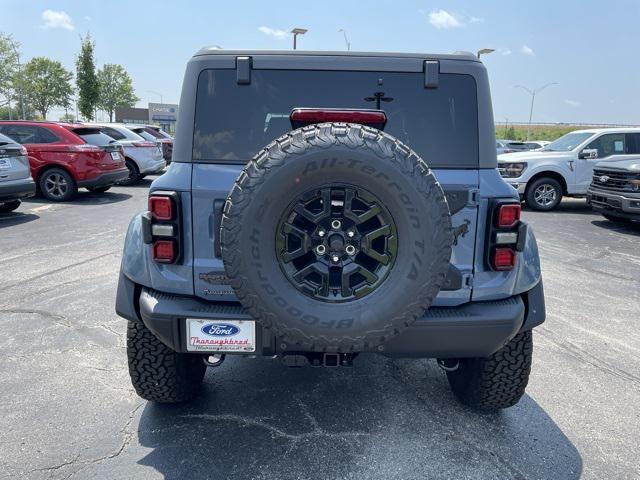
(66, 156)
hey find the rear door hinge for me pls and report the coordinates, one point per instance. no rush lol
(243, 70)
(467, 280)
(474, 197)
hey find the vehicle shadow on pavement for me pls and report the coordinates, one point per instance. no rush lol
(576, 207)
(85, 198)
(16, 218)
(628, 228)
(383, 418)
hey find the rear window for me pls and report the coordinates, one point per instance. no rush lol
(113, 133)
(144, 134)
(93, 136)
(233, 122)
(154, 133)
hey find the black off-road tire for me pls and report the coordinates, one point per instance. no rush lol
(8, 207)
(530, 194)
(134, 174)
(313, 158)
(99, 189)
(158, 373)
(497, 382)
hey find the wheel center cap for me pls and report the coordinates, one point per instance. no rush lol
(336, 242)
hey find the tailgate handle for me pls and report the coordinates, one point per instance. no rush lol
(431, 73)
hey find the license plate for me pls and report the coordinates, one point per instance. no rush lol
(221, 335)
(4, 164)
(115, 155)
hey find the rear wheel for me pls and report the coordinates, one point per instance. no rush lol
(99, 189)
(7, 207)
(543, 194)
(495, 382)
(57, 185)
(134, 174)
(158, 373)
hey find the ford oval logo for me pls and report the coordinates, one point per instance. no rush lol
(220, 329)
(603, 179)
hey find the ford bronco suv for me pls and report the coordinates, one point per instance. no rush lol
(321, 205)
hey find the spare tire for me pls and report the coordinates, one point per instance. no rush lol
(336, 236)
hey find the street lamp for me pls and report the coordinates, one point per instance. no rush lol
(156, 93)
(485, 51)
(297, 31)
(346, 40)
(533, 94)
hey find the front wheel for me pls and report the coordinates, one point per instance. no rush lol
(99, 189)
(134, 174)
(496, 382)
(544, 194)
(8, 207)
(158, 373)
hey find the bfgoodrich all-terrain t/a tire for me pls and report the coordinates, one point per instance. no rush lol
(158, 373)
(497, 382)
(337, 236)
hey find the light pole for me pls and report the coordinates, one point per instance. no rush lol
(156, 93)
(533, 94)
(297, 31)
(346, 40)
(485, 51)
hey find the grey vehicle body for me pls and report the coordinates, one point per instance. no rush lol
(476, 313)
(15, 175)
(148, 159)
(615, 188)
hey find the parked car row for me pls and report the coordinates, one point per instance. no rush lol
(510, 146)
(601, 164)
(54, 159)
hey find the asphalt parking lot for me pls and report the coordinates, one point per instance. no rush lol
(68, 409)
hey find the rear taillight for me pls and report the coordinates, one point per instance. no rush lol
(503, 258)
(508, 215)
(85, 147)
(164, 251)
(23, 151)
(308, 116)
(161, 226)
(506, 235)
(144, 144)
(161, 207)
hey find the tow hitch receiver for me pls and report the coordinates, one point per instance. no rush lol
(318, 359)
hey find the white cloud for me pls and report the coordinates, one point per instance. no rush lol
(527, 51)
(87, 18)
(476, 20)
(274, 32)
(572, 103)
(57, 19)
(505, 51)
(441, 19)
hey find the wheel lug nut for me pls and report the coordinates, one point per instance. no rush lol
(321, 233)
(350, 233)
(336, 224)
(320, 249)
(350, 249)
(335, 259)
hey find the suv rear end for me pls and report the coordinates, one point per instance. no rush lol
(64, 157)
(15, 177)
(380, 251)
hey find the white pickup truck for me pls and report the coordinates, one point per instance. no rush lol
(565, 167)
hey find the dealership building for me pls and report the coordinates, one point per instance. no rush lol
(164, 115)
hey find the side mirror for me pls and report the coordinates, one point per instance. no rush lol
(588, 154)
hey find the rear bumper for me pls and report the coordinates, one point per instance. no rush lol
(17, 189)
(150, 168)
(105, 179)
(616, 204)
(476, 329)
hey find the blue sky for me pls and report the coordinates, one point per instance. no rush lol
(590, 48)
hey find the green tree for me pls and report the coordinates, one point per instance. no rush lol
(47, 84)
(9, 54)
(116, 89)
(86, 79)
